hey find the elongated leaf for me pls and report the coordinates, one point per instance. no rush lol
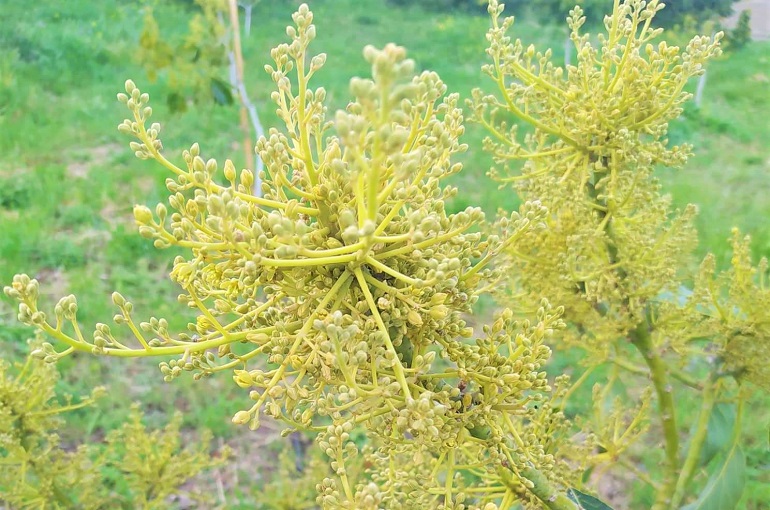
(720, 430)
(176, 102)
(587, 474)
(586, 502)
(725, 486)
(681, 296)
(221, 91)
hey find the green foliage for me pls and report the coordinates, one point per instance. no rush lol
(444, 5)
(701, 10)
(725, 485)
(740, 36)
(719, 432)
(40, 472)
(585, 501)
(556, 11)
(14, 193)
(195, 63)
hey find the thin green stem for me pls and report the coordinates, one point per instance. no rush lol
(58, 410)
(152, 351)
(641, 339)
(424, 244)
(550, 496)
(24, 369)
(577, 385)
(304, 136)
(696, 443)
(398, 368)
(449, 478)
(639, 473)
(376, 264)
(339, 286)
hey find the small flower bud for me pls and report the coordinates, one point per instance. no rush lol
(241, 418)
(142, 214)
(414, 318)
(118, 299)
(439, 312)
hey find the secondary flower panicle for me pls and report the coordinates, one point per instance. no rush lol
(612, 251)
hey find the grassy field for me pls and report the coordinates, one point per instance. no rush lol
(68, 180)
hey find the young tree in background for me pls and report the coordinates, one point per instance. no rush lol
(701, 10)
(194, 66)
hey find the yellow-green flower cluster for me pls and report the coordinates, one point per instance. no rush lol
(39, 471)
(337, 296)
(600, 128)
(613, 252)
(732, 310)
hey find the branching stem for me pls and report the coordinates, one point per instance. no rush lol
(641, 339)
(697, 440)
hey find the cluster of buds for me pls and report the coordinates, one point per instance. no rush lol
(600, 126)
(733, 310)
(613, 252)
(338, 295)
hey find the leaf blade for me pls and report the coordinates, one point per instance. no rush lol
(720, 430)
(586, 501)
(725, 486)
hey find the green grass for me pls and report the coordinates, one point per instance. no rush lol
(728, 176)
(68, 180)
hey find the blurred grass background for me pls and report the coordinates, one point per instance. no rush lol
(68, 181)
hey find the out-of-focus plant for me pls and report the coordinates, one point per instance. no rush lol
(702, 10)
(195, 66)
(615, 255)
(733, 40)
(681, 33)
(292, 484)
(740, 36)
(548, 12)
(136, 468)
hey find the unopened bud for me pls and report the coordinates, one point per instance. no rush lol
(241, 418)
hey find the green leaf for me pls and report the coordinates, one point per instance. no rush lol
(725, 486)
(720, 430)
(587, 474)
(176, 102)
(586, 502)
(679, 297)
(221, 91)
